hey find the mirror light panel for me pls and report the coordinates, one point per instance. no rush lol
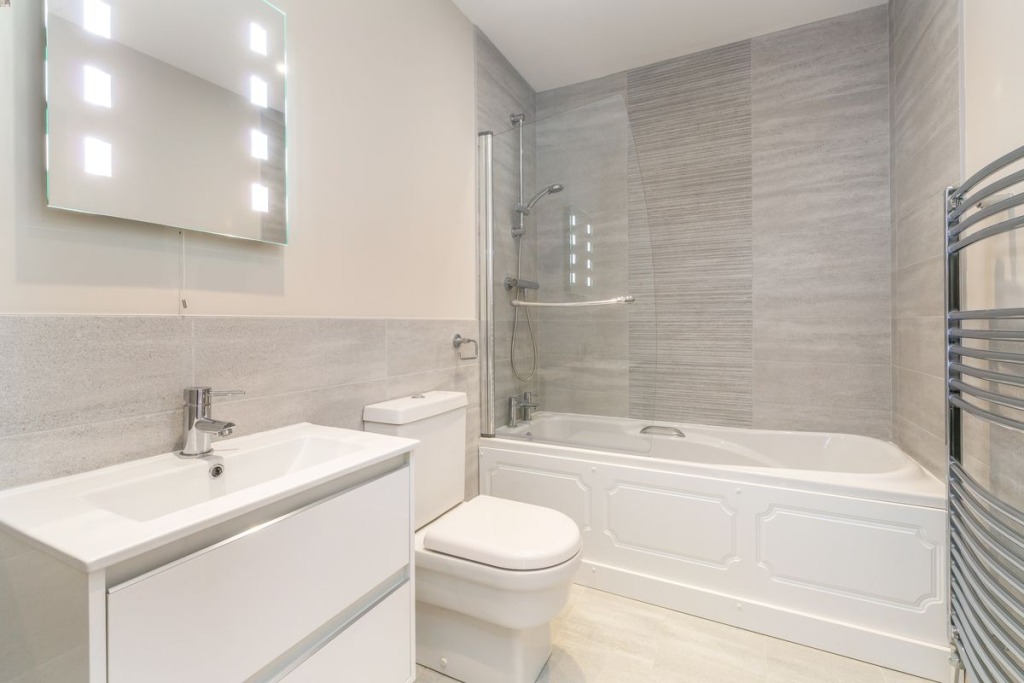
(98, 157)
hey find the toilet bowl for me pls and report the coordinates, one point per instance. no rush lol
(490, 573)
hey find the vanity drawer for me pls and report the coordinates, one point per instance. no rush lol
(226, 612)
(377, 648)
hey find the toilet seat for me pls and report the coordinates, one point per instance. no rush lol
(504, 534)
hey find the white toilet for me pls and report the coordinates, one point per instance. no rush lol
(490, 573)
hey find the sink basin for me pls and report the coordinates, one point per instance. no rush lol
(193, 483)
(98, 518)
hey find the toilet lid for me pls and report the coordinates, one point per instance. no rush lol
(504, 533)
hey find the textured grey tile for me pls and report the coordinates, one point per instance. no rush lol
(423, 345)
(823, 340)
(267, 356)
(832, 419)
(60, 371)
(472, 452)
(37, 456)
(918, 235)
(920, 345)
(925, 169)
(919, 290)
(926, 448)
(823, 385)
(465, 378)
(590, 340)
(560, 100)
(500, 89)
(690, 190)
(336, 406)
(835, 57)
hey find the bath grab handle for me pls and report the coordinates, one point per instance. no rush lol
(574, 304)
(659, 429)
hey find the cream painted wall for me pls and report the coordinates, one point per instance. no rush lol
(994, 81)
(381, 162)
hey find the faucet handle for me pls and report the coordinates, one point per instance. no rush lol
(200, 396)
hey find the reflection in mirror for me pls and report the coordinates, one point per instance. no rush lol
(169, 113)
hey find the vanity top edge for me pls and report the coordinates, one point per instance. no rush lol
(57, 517)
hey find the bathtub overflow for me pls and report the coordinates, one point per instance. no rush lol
(216, 471)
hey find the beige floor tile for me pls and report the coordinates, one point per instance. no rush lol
(605, 638)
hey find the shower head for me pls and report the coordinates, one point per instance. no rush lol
(550, 189)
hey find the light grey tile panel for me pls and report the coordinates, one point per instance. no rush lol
(854, 291)
(561, 100)
(336, 406)
(267, 356)
(823, 340)
(590, 340)
(918, 235)
(1007, 465)
(500, 89)
(422, 345)
(561, 400)
(36, 456)
(920, 399)
(823, 385)
(919, 290)
(923, 171)
(472, 454)
(60, 371)
(875, 423)
(836, 57)
(920, 345)
(465, 378)
(926, 448)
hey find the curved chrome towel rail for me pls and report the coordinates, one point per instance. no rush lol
(574, 304)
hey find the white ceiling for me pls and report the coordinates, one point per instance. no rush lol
(557, 42)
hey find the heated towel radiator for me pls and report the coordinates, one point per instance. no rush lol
(985, 420)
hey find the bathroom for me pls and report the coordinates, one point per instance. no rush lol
(754, 188)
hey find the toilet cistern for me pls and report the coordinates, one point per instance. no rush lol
(199, 427)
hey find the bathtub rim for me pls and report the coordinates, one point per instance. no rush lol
(911, 484)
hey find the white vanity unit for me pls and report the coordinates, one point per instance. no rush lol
(291, 562)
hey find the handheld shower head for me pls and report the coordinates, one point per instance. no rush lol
(550, 189)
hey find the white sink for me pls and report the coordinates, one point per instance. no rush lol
(98, 518)
(192, 483)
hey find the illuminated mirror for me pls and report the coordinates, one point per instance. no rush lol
(169, 113)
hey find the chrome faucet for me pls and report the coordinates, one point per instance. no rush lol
(200, 428)
(525, 403)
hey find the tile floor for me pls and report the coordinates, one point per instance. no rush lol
(604, 638)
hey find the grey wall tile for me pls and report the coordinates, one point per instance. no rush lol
(134, 368)
(61, 371)
(821, 276)
(561, 100)
(919, 289)
(691, 188)
(824, 385)
(920, 344)
(422, 345)
(268, 356)
(875, 423)
(824, 340)
(921, 400)
(926, 448)
(337, 406)
(918, 235)
(34, 456)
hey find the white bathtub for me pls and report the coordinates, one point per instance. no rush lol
(831, 540)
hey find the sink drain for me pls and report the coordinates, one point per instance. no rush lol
(216, 471)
